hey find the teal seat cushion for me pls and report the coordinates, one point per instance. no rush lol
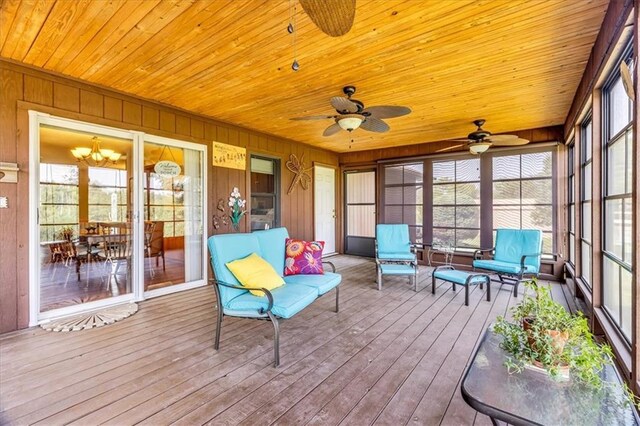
(288, 300)
(272, 246)
(512, 244)
(226, 248)
(396, 269)
(396, 256)
(459, 277)
(393, 239)
(321, 282)
(505, 267)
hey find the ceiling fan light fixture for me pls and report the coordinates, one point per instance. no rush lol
(479, 147)
(350, 122)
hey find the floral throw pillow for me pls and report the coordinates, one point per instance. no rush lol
(303, 257)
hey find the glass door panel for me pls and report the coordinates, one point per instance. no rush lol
(173, 215)
(85, 217)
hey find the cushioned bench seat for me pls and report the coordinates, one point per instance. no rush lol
(449, 274)
(322, 283)
(396, 269)
(288, 300)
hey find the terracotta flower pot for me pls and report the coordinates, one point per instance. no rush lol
(558, 339)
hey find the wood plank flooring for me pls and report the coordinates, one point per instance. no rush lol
(388, 357)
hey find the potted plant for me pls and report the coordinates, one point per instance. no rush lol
(544, 334)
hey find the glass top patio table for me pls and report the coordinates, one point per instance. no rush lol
(533, 398)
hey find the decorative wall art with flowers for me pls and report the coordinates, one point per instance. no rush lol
(236, 208)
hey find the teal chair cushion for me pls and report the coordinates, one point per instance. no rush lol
(506, 267)
(396, 256)
(272, 246)
(224, 249)
(393, 239)
(321, 282)
(288, 300)
(512, 244)
(397, 269)
(459, 277)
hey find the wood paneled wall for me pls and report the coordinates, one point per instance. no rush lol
(23, 88)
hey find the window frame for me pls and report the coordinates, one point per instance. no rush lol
(52, 226)
(571, 204)
(586, 161)
(609, 140)
(455, 205)
(90, 187)
(418, 229)
(276, 195)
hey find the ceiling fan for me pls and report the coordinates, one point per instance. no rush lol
(351, 114)
(480, 140)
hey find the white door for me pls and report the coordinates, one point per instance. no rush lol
(325, 207)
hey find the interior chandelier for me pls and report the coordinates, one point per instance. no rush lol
(95, 156)
(350, 122)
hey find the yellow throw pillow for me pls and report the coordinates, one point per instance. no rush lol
(254, 271)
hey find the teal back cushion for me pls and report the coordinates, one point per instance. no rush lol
(512, 244)
(393, 238)
(225, 248)
(272, 246)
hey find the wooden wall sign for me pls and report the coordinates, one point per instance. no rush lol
(229, 156)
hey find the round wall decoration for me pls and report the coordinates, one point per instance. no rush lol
(92, 319)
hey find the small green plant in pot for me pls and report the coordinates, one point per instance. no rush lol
(545, 335)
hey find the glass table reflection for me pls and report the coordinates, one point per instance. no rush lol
(532, 398)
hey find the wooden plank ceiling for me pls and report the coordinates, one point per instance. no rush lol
(515, 63)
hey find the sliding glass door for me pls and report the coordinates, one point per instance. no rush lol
(116, 216)
(173, 214)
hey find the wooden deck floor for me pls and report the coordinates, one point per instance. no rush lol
(389, 357)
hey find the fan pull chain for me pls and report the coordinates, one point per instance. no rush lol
(291, 29)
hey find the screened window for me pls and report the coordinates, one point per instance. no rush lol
(403, 197)
(617, 223)
(107, 195)
(456, 203)
(165, 202)
(523, 194)
(58, 200)
(265, 196)
(572, 205)
(585, 203)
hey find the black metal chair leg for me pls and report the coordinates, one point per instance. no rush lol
(337, 298)
(488, 290)
(466, 295)
(218, 329)
(276, 339)
(433, 284)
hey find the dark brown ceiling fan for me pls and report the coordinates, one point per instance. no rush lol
(351, 114)
(480, 140)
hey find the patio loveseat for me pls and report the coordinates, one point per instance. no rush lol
(298, 292)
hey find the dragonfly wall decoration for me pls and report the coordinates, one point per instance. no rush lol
(301, 175)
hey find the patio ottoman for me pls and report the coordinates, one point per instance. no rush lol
(397, 269)
(450, 274)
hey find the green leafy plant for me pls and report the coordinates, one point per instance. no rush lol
(544, 334)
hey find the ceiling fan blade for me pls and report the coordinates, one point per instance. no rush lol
(331, 130)
(508, 142)
(333, 17)
(500, 138)
(343, 105)
(313, 117)
(450, 148)
(459, 140)
(387, 111)
(373, 124)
